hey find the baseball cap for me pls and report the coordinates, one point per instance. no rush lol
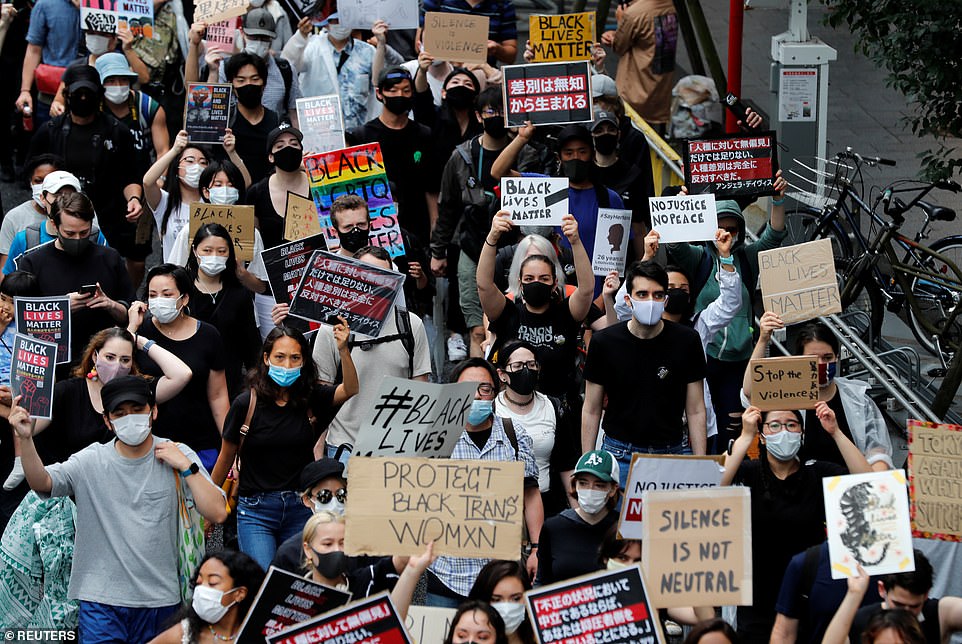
(602, 85)
(603, 117)
(82, 77)
(600, 463)
(314, 473)
(126, 389)
(113, 64)
(392, 76)
(58, 179)
(283, 128)
(260, 22)
(575, 131)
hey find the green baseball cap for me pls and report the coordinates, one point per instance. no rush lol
(599, 463)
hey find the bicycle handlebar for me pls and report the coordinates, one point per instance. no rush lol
(852, 154)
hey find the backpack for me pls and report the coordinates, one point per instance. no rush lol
(32, 234)
(405, 334)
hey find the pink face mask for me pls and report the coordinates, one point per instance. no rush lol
(107, 371)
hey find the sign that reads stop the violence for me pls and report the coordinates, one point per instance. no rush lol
(546, 93)
(732, 166)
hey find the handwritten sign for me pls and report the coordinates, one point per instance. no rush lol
(210, 11)
(546, 93)
(798, 282)
(47, 319)
(568, 36)
(657, 472)
(868, 522)
(32, 374)
(361, 14)
(684, 218)
(285, 599)
(411, 418)
(322, 122)
(935, 473)
(698, 547)
(207, 112)
(460, 37)
(429, 624)
(220, 36)
(136, 15)
(732, 166)
(300, 218)
(99, 16)
(238, 220)
(610, 607)
(370, 620)
(468, 508)
(535, 201)
(784, 382)
(611, 241)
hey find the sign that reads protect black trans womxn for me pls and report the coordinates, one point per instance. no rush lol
(731, 166)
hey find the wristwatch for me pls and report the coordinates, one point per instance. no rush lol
(193, 469)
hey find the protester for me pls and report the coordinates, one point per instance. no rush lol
(454, 121)
(716, 631)
(52, 42)
(143, 116)
(33, 211)
(884, 624)
(475, 622)
(251, 122)
(284, 151)
(502, 584)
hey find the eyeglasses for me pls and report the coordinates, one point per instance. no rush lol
(325, 496)
(511, 367)
(791, 426)
(192, 160)
(486, 389)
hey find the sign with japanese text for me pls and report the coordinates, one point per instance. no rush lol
(461, 37)
(935, 480)
(784, 382)
(207, 113)
(46, 319)
(238, 220)
(32, 374)
(300, 218)
(563, 37)
(322, 123)
(211, 11)
(684, 218)
(285, 265)
(369, 620)
(743, 164)
(799, 282)
(546, 93)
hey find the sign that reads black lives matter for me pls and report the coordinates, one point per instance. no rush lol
(546, 93)
(744, 164)
(46, 319)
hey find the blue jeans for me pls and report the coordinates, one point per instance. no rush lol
(623, 451)
(103, 623)
(266, 520)
(440, 601)
(330, 451)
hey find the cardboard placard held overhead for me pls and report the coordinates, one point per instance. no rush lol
(535, 201)
(684, 218)
(99, 16)
(32, 374)
(935, 480)
(207, 112)
(698, 547)
(456, 36)
(369, 620)
(300, 218)
(611, 241)
(136, 15)
(209, 11)
(238, 220)
(732, 166)
(468, 508)
(220, 36)
(798, 282)
(547, 93)
(563, 37)
(362, 14)
(868, 521)
(784, 382)
(322, 123)
(47, 319)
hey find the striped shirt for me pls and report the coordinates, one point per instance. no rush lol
(503, 25)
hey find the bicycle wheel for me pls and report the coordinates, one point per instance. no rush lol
(864, 308)
(935, 302)
(802, 225)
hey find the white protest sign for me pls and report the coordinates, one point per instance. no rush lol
(684, 218)
(611, 241)
(426, 624)
(362, 14)
(535, 201)
(411, 418)
(662, 472)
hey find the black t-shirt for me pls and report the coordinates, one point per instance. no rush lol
(632, 186)
(568, 546)
(187, 418)
(75, 424)
(280, 441)
(646, 381)
(930, 624)
(231, 312)
(269, 221)
(251, 143)
(818, 443)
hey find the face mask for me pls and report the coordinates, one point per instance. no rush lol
(784, 445)
(82, 103)
(339, 32)
(283, 376)
(613, 564)
(288, 158)
(826, 373)
(606, 143)
(398, 104)
(224, 195)
(249, 95)
(523, 381)
(207, 603)
(333, 505)
(132, 429)
(164, 308)
(192, 172)
(592, 501)
(460, 97)
(37, 192)
(353, 240)
(75, 247)
(117, 94)
(257, 48)
(107, 371)
(678, 302)
(212, 264)
(330, 564)
(96, 44)
(537, 294)
(577, 170)
(481, 410)
(512, 613)
(494, 127)
(646, 312)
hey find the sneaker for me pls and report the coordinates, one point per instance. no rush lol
(457, 350)
(16, 475)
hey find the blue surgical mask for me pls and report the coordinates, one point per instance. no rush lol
(283, 376)
(481, 410)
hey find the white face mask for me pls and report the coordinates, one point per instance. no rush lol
(613, 564)
(512, 613)
(224, 195)
(784, 445)
(207, 603)
(117, 94)
(212, 264)
(192, 174)
(37, 191)
(646, 312)
(163, 308)
(333, 505)
(592, 501)
(132, 429)
(257, 48)
(96, 43)
(339, 31)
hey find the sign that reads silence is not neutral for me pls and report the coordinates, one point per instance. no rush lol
(238, 220)
(799, 282)
(468, 508)
(784, 382)
(456, 36)
(684, 218)
(935, 480)
(535, 201)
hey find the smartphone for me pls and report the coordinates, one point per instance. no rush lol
(88, 289)
(739, 109)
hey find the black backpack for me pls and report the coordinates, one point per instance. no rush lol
(405, 334)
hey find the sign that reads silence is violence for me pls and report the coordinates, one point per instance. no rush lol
(461, 37)
(322, 123)
(684, 218)
(546, 93)
(611, 241)
(46, 319)
(662, 472)
(698, 547)
(285, 599)
(611, 607)
(369, 620)
(798, 282)
(468, 508)
(32, 374)
(935, 480)
(411, 418)
(731, 166)
(207, 112)
(564, 37)
(535, 201)
(238, 220)
(784, 382)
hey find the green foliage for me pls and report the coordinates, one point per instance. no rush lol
(919, 44)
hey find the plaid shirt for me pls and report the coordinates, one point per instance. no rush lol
(459, 573)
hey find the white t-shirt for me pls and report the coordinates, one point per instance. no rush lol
(178, 221)
(539, 423)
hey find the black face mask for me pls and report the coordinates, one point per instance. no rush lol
(523, 381)
(288, 158)
(606, 143)
(398, 104)
(75, 247)
(82, 103)
(494, 127)
(460, 97)
(353, 240)
(330, 564)
(249, 95)
(678, 302)
(577, 170)
(537, 294)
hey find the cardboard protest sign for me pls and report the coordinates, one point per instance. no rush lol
(610, 607)
(460, 37)
(47, 319)
(362, 14)
(238, 220)
(468, 508)
(32, 374)
(136, 15)
(535, 201)
(935, 473)
(662, 472)
(798, 282)
(211, 11)
(207, 113)
(322, 123)
(567, 36)
(698, 547)
(684, 218)
(731, 166)
(784, 382)
(99, 16)
(221, 36)
(428, 624)
(285, 265)
(333, 285)
(611, 241)
(369, 620)
(300, 218)
(359, 171)
(546, 93)
(868, 522)
(412, 418)
(283, 600)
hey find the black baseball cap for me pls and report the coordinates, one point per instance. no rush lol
(314, 473)
(574, 132)
(392, 76)
(283, 128)
(126, 389)
(82, 77)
